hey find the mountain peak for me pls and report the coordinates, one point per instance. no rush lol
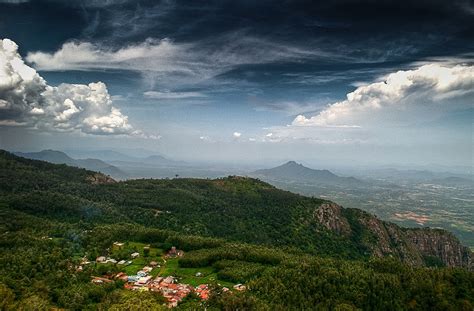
(52, 151)
(292, 163)
(293, 171)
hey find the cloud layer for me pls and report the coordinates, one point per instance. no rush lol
(27, 100)
(171, 62)
(172, 95)
(87, 56)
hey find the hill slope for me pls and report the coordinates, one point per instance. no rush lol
(292, 171)
(236, 208)
(59, 157)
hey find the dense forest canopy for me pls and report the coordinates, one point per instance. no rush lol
(241, 229)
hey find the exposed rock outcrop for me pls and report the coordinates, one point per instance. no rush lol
(99, 178)
(412, 246)
(441, 244)
(407, 252)
(330, 216)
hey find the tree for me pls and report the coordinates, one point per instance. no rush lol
(7, 298)
(34, 303)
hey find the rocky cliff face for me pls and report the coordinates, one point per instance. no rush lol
(389, 240)
(441, 244)
(412, 246)
(330, 216)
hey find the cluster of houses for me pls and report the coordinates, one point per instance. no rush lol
(168, 286)
(103, 259)
(141, 278)
(172, 291)
(116, 245)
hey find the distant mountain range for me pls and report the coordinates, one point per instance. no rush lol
(104, 155)
(58, 157)
(150, 161)
(294, 172)
(122, 160)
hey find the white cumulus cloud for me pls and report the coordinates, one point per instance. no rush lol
(26, 99)
(20, 85)
(237, 134)
(400, 97)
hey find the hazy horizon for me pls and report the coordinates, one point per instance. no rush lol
(139, 155)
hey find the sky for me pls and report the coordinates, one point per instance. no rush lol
(325, 82)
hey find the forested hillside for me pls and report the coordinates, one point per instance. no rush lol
(235, 208)
(293, 252)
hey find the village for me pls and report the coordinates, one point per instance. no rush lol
(154, 275)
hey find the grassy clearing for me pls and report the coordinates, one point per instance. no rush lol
(188, 275)
(139, 262)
